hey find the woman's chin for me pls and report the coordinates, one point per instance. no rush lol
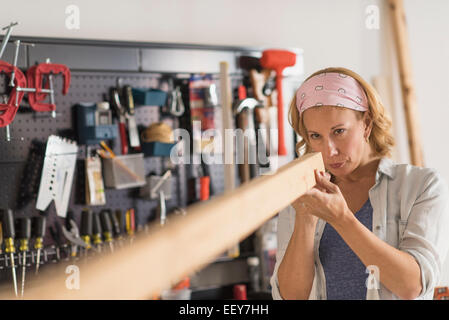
(340, 171)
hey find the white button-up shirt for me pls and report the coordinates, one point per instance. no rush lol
(410, 212)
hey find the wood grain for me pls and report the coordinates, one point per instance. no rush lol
(164, 255)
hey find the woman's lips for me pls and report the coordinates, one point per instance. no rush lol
(336, 165)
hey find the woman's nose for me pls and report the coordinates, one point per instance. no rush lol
(330, 148)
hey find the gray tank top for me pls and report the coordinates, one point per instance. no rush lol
(344, 272)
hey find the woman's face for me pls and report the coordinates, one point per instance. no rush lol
(339, 135)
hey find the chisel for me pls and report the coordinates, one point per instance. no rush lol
(9, 234)
(96, 231)
(106, 225)
(86, 228)
(24, 238)
(39, 232)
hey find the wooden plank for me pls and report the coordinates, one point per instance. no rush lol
(228, 143)
(186, 244)
(228, 146)
(408, 89)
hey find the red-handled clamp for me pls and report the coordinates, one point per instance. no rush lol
(8, 111)
(31, 84)
(35, 77)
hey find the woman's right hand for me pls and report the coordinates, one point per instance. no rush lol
(304, 209)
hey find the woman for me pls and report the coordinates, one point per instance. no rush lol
(366, 213)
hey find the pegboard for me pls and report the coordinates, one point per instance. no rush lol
(85, 87)
(90, 82)
(89, 87)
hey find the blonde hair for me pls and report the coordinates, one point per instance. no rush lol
(380, 139)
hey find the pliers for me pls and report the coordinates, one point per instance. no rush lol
(121, 114)
(74, 237)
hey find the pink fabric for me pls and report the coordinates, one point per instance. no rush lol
(331, 89)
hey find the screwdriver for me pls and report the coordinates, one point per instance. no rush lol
(130, 224)
(96, 231)
(1, 238)
(24, 238)
(117, 232)
(9, 234)
(120, 219)
(107, 228)
(38, 233)
(86, 227)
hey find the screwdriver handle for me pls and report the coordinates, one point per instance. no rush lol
(106, 221)
(96, 229)
(130, 222)
(8, 224)
(120, 219)
(39, 225)
(115, 224)
(96, 224)
(24, 228)
(86, 222)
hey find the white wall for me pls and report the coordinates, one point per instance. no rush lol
(429, 44)
(331, 32)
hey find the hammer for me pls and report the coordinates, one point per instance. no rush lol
(258, 76)
(278, 60)
(245, 111)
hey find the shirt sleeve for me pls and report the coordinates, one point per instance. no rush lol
(285, 227)
(425, 235)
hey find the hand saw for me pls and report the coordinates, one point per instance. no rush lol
(57, 174)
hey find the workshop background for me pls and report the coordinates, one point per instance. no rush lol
(322, 33)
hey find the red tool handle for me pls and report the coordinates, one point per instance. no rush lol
(242, 92)
(132, 220)
(239, 292)
(123, 137)
(282, 150)
(204, 188)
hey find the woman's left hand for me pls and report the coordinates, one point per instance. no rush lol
(326, 200)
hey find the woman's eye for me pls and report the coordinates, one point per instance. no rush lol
(314, 136)
(339, 131)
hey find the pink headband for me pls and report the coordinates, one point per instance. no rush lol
(331, 89)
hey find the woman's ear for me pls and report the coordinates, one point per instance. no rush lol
(368, 122)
